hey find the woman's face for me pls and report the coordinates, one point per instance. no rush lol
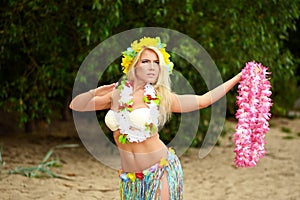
(147, 68)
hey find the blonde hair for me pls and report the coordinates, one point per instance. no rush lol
(162, 85)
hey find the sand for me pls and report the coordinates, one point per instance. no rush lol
(277, 176)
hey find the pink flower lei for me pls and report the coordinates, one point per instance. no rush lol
(253, 114)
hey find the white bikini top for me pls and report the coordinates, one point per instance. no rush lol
(137, 120)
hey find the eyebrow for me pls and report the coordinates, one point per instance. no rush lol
(146, 59)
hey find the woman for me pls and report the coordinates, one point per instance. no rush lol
(138, 106)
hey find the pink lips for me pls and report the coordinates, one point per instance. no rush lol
(151, 74)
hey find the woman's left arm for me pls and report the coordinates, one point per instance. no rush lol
(188, 103)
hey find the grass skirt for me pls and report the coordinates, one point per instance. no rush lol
(146, 185)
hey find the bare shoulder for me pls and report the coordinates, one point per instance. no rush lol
(175, 105)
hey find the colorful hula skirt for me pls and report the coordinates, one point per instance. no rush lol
(146, 185)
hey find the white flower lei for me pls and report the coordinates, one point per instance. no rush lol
(127, 132)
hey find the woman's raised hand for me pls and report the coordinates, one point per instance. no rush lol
(104, 89)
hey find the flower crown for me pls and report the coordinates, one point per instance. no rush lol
(136, 47)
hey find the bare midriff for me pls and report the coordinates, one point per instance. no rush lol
(137, 156)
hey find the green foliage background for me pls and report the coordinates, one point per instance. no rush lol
(43, 43)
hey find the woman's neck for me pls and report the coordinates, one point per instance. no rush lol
(137, 85)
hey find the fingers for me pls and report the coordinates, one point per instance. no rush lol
(110, 86)
(104, 89)
(257, 69)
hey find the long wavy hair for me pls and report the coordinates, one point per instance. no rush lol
(162, 85)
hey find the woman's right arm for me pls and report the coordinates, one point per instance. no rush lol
(188, 103)
(96, 99)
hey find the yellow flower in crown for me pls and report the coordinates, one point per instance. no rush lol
(136, 47)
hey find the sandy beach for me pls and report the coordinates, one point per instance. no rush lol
(277, 176)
